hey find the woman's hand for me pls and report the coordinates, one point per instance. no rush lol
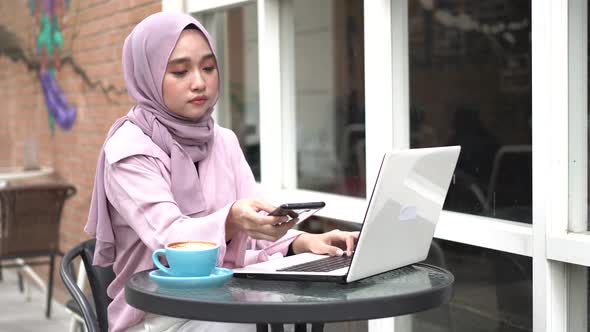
(334, 243)
(244, 216)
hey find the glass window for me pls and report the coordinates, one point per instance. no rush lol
(588, 105)
(236, 34)
(493, 291)
(581, 275)
(470, 85)
(329, 96)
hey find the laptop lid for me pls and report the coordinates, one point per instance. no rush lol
(399, 222)
(401, 218)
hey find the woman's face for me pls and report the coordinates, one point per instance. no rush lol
(190, 85)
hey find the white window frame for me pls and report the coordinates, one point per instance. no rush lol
(549, 161)
(566, 225)
(208, 5)
(559, 201)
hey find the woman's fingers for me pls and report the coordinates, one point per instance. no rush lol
(350, 242)
(272, 220)
(262, 205)
(245, 215)
(272, 228)
(281, 229)
(332, 250)
(341, 240)
(270, 232)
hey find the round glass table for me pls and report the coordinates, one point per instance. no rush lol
(398, 292)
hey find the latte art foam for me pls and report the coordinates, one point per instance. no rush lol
(192, 245)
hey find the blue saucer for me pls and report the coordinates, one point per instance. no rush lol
(218, 277)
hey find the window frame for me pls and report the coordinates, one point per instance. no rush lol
(555, 239)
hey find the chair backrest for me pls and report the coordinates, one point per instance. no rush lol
(511, 179)
(99, 279)
(30, 217)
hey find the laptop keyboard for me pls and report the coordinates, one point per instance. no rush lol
(321, 265)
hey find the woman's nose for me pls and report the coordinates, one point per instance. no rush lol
(198, 82)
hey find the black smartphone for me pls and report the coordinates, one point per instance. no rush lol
(298, 210)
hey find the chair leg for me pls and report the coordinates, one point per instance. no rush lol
(261, 327)
(1, 275)
(76, 325)
(277, 328)
(50, 286)
(21, 282)
(300, 327)
(317, 327)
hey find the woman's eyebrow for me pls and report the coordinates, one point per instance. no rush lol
(179, 61)
(188, 59)
(207, 57)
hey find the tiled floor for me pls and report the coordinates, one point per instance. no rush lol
(17, 314)
(474, 308)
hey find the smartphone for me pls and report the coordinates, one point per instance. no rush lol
(298, 210)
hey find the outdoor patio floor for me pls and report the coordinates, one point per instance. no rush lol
(17, 314)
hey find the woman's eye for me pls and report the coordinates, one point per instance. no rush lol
(209, 69)
(179, 73)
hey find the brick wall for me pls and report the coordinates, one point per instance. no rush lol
(91, 77)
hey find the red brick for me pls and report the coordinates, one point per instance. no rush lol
(94, 31)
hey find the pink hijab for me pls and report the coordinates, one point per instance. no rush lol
(145, 55)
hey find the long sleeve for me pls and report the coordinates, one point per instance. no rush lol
(255, 250)
(145, 215)
(141, 194)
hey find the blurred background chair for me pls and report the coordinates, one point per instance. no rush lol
(77, 323)
(93, 309)
(466, 194)
(510, 185)
(29, 226)
(436, 257)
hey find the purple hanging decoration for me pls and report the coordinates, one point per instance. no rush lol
(56, 102)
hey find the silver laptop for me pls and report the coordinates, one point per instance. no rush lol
(399, 223)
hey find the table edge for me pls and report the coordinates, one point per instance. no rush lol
(300, 312)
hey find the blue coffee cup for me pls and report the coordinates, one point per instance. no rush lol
(188, 258)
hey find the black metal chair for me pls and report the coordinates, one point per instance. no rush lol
(30, 216)
(99, 279)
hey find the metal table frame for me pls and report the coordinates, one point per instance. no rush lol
(343, 302)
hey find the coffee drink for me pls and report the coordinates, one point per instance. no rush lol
(188, 258)
(192, 245)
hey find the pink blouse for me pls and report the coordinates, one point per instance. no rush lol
(145, 216)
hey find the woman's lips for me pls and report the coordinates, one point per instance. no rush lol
(198, 100)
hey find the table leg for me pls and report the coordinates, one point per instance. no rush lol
(317, 327)
(261, 327)
(300, 327)
(277, 328)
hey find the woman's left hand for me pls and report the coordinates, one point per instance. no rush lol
(334, 243)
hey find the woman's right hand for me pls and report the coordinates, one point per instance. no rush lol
(244, 215)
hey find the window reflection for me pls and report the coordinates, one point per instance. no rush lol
(493, 291)
(329, 96)
(470, 85)
(588, 116)
(236, 35)
(588, 147)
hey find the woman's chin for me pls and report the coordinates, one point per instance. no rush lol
(192, 113)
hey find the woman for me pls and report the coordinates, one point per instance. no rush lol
(168, 173)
